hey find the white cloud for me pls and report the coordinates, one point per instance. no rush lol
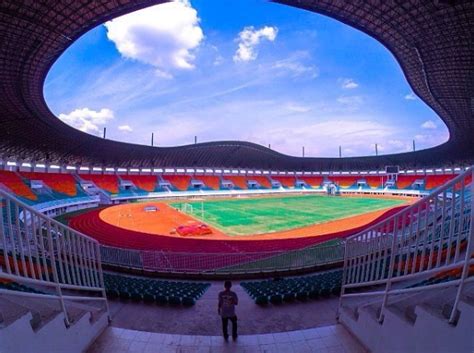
(348, 83)
(163, 36)
(429, 124)
(410, 96)
(296, 68)
(351, 102)
(297, 108)
(88, 120)
(249, 39)
(125, 128)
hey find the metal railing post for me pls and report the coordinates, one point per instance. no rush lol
(467, 259)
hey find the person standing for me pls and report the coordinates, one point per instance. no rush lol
(227, 301)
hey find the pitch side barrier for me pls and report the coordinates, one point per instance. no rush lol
(432, 236)
(236, 263)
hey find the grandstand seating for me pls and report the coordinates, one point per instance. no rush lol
(213, 182)
(106, 182)
(344, 182)
(434, 181)
(286, 181)
(14, 182)
(153, 291)
(180, 182)
(62, 183)
(313, 181)
(374, 182)
(406, 181)
(290, 289)
(239, 181)
(143, 182)
(262, 180)
(10, 285)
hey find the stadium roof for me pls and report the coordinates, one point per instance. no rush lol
(432, 40)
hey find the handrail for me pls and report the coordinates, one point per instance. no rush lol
(432, 235)
(39, 250)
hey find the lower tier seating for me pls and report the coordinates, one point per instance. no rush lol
(153, 291)
(298, 288)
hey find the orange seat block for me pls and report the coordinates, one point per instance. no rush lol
(62, 183)
(106, 182)
(287, 181)
(180, 182)
(313, 181)
(239, 181)
(374, 181)
(344, 181)
(434, 181)
(144, 182)
(404, 181)
(262, 180)
(16, 185)
(211, 181)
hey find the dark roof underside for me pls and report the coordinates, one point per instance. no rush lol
(432, 40)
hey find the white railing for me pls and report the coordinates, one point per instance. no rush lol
(37, 250)
(229, 262)
(431, 236)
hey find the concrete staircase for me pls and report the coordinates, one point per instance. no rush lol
(414, 322)
(36, 324)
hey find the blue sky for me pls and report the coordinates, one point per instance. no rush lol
(240, 70)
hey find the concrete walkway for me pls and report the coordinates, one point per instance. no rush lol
(328, 339)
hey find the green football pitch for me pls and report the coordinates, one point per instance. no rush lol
(244, 216)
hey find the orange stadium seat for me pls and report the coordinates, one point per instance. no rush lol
(313, 181)
(16, 185)
(211, 181)
(262, 180)
(286, 181)
(344, 181)
(374, 182)
(62, 183)
(144, 182)
(405, 181)
(105, 182)
(434, 181)
(180, 182)
(239, 181)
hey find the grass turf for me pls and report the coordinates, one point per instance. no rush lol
(264, 215)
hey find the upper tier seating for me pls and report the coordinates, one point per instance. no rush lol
(286, 181)
(313, 181)
(153, 291)
(145, 182)
(344, 182)
(434, 181)
(301, 288)
(106, 182)
(239, 181)
(405, 181)
(180, 182)
(262, 180)
(12, 181)
(62, 183)
(213, 182)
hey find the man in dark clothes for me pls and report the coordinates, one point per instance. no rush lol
(226, 309)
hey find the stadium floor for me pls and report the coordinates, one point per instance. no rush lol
(262, 218)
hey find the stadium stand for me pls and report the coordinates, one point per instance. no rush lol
(263, 181)
(406, 181)
(180, 182)
(239, 181)
(434, 181)
(374, 182)
(143, 182)
(344, 182)
(16, 185)
(213, 182)
(313, 181)
(153, 291)
(289, 289)
(286, 181)
(62, 183)
(106, 182)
